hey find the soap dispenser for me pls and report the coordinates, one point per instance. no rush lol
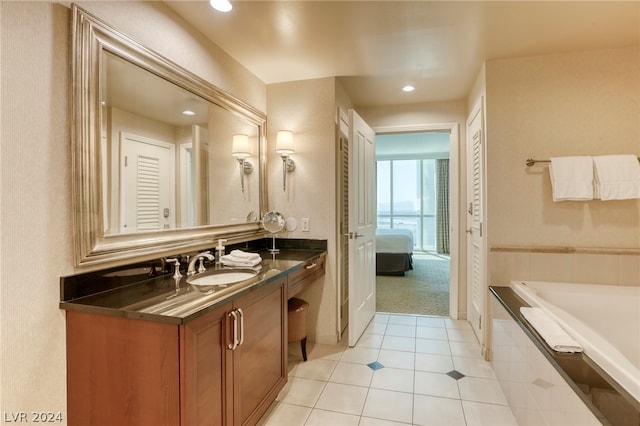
(220, 250)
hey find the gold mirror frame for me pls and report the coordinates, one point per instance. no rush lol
(90, 36)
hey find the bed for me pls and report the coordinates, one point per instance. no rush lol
(394, 248)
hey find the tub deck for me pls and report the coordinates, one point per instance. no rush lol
(580, 371)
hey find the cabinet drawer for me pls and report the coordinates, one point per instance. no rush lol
(307, 274)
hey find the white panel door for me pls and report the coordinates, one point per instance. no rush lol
(362, 227)
(476, 275)
(147, 184)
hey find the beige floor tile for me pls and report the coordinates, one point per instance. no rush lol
(285, 414)
(337, 387)
(481, 390)
(301, 391)
(352, 374)
(467, 349)
(318, 369)
(370, 421)
(461, 335)
(435, 333)
(401, 330)
(430, 410)
(319, 351)
(324, 418)
(393, 379)
(370, 341)
(389, 405)
(474, 367)
(342, 398)
(433, 362)
(399, 343)
(402, 319)
(430, 322)
(360, 355)
(397, 359)
(376, 328)
(480, 414)
(436, 384)
(430, 346)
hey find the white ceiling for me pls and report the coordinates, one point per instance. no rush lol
(379, 46)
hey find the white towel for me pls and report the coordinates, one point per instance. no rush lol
(244, 255)
(617, 177)
(550, 331)
(231, 260)
(571, 178)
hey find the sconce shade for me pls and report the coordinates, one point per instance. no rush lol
(240, 147)
(284, 143)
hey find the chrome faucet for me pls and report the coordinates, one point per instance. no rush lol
(176, 263)
(191, 270)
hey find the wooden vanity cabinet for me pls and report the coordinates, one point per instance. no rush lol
(135, 372)
(306, 275)
(225, 386)
(259, 365)
(203, 370)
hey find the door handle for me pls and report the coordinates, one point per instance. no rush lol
(241, 315)
(353, 235)
(234, 345)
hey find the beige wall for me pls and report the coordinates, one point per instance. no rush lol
(584, 103)
(307, 108)
(556, 105)
(35, 161)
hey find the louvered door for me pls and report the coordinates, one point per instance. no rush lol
(476, 277)
(146, 185)
(344, 232)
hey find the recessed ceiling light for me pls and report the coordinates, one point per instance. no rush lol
(188, 112)
(221, 5)
(408, 88)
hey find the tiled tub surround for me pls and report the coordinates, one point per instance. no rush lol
(544, 387)
(614, 266)
(123, 291)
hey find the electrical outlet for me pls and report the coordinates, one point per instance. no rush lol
(305, 224)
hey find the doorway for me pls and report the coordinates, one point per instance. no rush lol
(417, 180)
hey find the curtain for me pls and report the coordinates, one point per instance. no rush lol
(442, 206)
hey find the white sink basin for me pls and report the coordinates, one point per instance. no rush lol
(208, 281)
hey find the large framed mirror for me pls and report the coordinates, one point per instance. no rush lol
(163, 161)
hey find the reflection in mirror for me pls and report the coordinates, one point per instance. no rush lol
(167, 155)
(154, 171)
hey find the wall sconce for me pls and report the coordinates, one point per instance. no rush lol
(241, 150)
(284, 147)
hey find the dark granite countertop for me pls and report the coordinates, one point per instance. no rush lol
(133, 293)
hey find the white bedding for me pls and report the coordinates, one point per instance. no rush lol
(394, 241)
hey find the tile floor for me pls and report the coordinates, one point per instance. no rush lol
(405, 369)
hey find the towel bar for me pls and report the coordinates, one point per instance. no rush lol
(530, 162)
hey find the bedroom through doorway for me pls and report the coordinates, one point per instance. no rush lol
(412, 240)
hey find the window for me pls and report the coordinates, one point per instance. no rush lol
(407, 198)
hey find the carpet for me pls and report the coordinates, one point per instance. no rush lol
(423, 290)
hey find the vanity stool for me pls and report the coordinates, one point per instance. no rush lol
(298, 311)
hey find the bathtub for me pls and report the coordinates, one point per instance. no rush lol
(604, 319)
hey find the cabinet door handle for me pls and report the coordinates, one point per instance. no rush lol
(233, 345)
(313, 265)
(241, 314)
